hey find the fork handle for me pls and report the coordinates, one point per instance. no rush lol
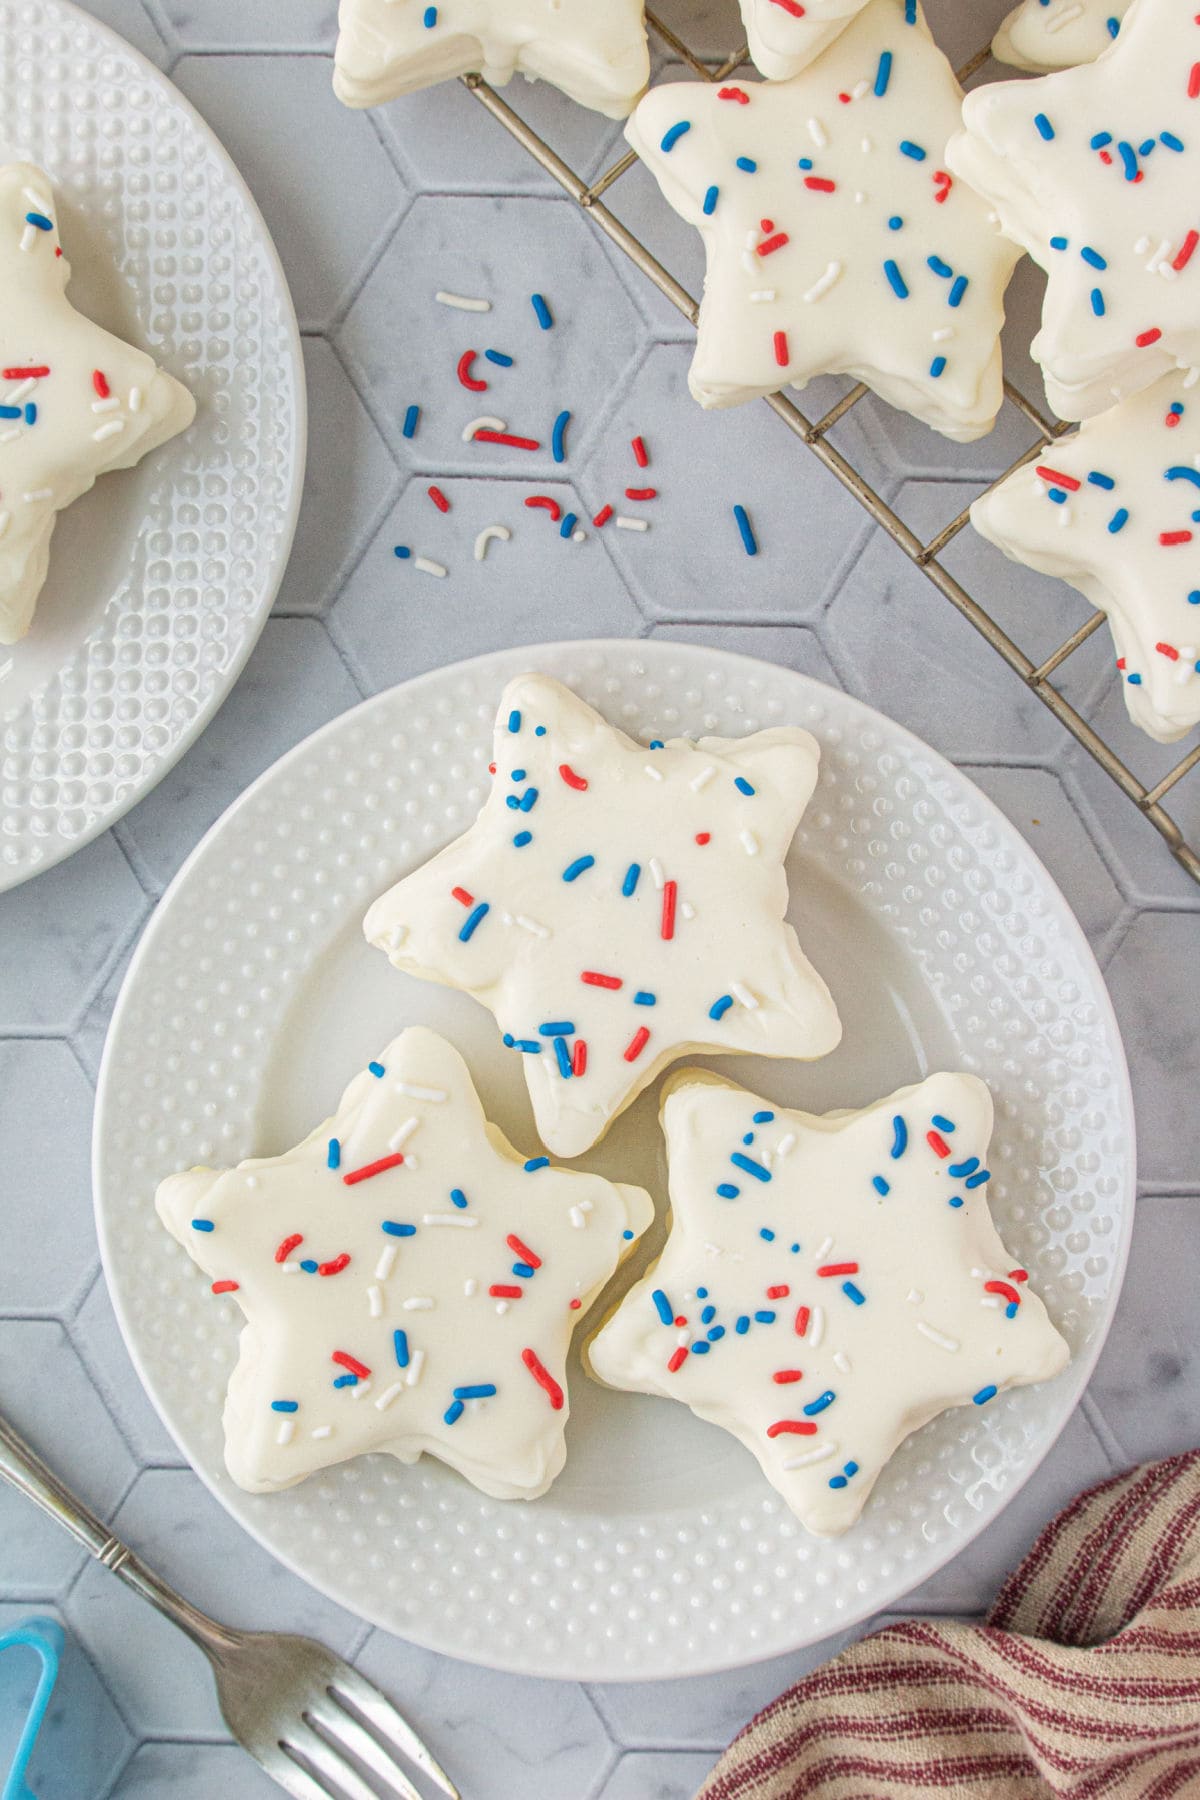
(24, 1469)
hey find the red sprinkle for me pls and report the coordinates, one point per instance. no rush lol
(637, 1043)
(937, 1143)
(439, 499)
(575, 1305)
(100, 383)
(734, 93)
(225, 1287)
(1194, 82)
(288, 1245)
(1168, 650)
(501, 1292)
(770, 245)
(778, 1293)
(551, 506)
(943, 182)
(678, 1356)
(485, 436)
(822, 185)
(1168, 538)
(544, 1378)
(464, 373)
(344, 1360)
(1002, 1287)
(1146, 338)
(571, 778)
(802, 1318)
(601, 518)
(579, 1057)
(461, 895)
(782, 353)
(784, 1376)
(704, 837)
(795, 1427)
(1059, 479)
(1186, 250)
(26, 374)
(640, 454)
(522, 1250)
(792, 7)
(838, 1269)
(336, 1266)
(641, 493)
(670, 894)
(594, 979)
(1018, 1274)
(375, 1168)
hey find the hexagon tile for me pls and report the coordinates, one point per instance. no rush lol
(374, 213)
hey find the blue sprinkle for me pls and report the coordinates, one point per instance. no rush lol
(1113, 26)
(937, 367)
(535, 1163)
(663, 1307)
(748, 164)
(838, 1481)
(627, 1235)
(473, 921)
(895, 279)
(956, 1201)
(401, 550)
(899, 1138)
(1182, 473)
(766, 1234)
(941, 1123)
(400, 1346)
(672, 137)
(410, 421)
(482, 1390)
(1097, 299)
(557, 1028)
(1194, 597)
(1128, 158)
(1146, 146)
(720, 1007)
(820, 1403)
(570, 521)
(309, 1266)
(544, 316)
(1058, 495)
(40, 220)
(984, 1395)
(203, 1225)
(1102, 140)
(1101, 481)
(558, 442)
(742, 520)
(959, 288)
(748, 1137)
(766, 1317)
(883, 74)
(333, 1156)
(910, 12)
(806, 162)
(399, 1230)
(908, 148)
(345, 1381)
(574, 870)
(701, 1293)
(727, 1190)
(853, 1293)
(1168, 138)
(564, 1058)
(377, 1070)
(499, 358)
(940, 267)
(514, 722)
(763, 1118)
(1010, 1311)
(742, 785)
(430, 17)
(527, 1046)
(1119, 520)
(716, 1334)
(880, 1185)
(1093, 258)
(1044, 128)
(631, 879)
(458, 1197)
(656, 744)
(958, 1170)
(1134, 680)
(850, 1468)
(285, 1406)
(453, 1412)
(529, 800)
(710, 201)
(539, 731)
(748, 1165)
(742, 1326)
(709, 1313)
(700, 1348)
(522, 838)
(30, 413)
(1058, 243)
(645, 999)
(895, 223)
(978, 1180)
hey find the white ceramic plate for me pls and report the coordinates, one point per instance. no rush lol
(161, 578)
(660, 1550)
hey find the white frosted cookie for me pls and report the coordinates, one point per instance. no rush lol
(596, 53)
(617, 907)
(1057, 34)
(785, 36)
(1094, 171)
(410, 1282)
(837, 241)
(75, 402)
(1115, 510)
(829, 1284)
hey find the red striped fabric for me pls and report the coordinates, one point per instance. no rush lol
(1083, 1683)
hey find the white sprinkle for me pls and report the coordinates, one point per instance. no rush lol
(17, 394)
(252, 1181)
(395, 938)
(940, 1338)
(501, 1308)
(1056, 21)
(577, 1219)
(714, 1249)
(289, 1268)
(98, 406)
(532, 926)
(322, 1431)
(786, 1144)
(702, 779)
(742, 993)
(860, 198)
(487, 422)
(914, 1296)
(631, 524)
(470, 1287)
(419, 1303)
(943, 334)
(414, 1368)
(859, 90)
(286, 1432)
(39, 202)
(1162, 250)
(585, 1206)
(427, 567)
(867, 145)
(762, 295)
(6, 437)
(463, 302)
(412, 1091)
(111, 429)
(817, 1327)
(749, 843)
(822, 285)
(822, 1453)
(412, 1162)
(402, 1135)
(818, 134)
(455, 1218)
(29, 238)
(135, 399)
(375, 1301)
(359, 1389)
(686, 909)
(652, 772)
(38, 494)
(842, 1361)
(991, 1300)
(826, 1247)
(485, 537)
(1141, 246)
(579, 537)
(656, 873)
(386, 1263)
(388, 1395)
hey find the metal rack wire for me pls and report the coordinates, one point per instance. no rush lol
(814, 433)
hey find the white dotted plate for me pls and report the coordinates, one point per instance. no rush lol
(660, 1550)
(161, 578)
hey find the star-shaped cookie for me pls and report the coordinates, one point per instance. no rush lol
(829, 1284)
(75, 401)
(1115, 510)
(1057, 34)
(785, 36)
(596, 53)
(410, 1282)
(837, 240)
(1095, 171)
(617, 907)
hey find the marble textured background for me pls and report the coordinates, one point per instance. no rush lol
(371, 214)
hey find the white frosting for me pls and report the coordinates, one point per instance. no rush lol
(317, 1272)
(1057, 34)
(804, 278)
(1094, 171)
(596, 53)
(820, 1295)
(785, 36)
(75, 401)
(678, 917)
(1124, 528)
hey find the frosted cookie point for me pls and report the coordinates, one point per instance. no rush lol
(408, 1301)
(1094, 172)
(616, 906)
(784, 36)
(823, 1302)
(75, 402)
(837, 241)
(1115, 510)
(597, 54)
(1057, 34)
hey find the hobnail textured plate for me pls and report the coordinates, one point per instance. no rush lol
(660, 1550)
(161, 578)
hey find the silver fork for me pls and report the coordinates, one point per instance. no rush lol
(302, 1713)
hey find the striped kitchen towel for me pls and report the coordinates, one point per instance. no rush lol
(1083, 1683)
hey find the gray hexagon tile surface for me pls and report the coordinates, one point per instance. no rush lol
(373, 213)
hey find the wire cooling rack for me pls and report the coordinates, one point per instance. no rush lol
(814, 433)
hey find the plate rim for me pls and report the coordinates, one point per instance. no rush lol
(1074, 1378)
(63, 848)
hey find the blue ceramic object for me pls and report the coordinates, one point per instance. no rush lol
(45, 1638)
